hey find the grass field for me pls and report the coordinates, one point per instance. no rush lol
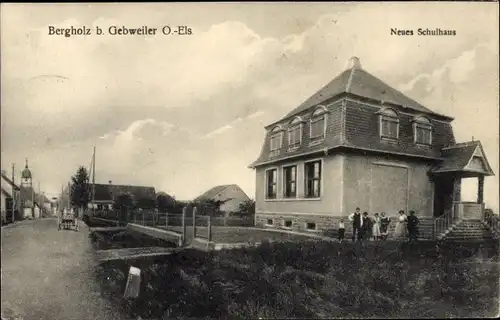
(312, 280)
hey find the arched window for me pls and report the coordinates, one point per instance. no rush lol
(422, 130)
(276, 138)
(389, 124)
(318, 124)
(295, 133)
(277, 128)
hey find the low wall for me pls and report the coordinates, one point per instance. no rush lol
(470, 210)
(328, 225)
(299, 222)
(166, 235)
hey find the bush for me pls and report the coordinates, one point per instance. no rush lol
(312, 280)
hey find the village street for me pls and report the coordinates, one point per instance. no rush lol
(47, 274)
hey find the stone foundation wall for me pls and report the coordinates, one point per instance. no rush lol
(299, 222)
(327, 225)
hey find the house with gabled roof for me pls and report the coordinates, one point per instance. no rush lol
(229, 196)
(10, 204)
(105, 195)
(358, 142)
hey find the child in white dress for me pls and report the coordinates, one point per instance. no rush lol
(376, 227)
(341, 231)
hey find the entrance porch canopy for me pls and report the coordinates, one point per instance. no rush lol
(465, 160)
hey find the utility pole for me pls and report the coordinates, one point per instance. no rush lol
(69, 196)
(93, 182)
(33, 199)
(61, 198)
(15, 198)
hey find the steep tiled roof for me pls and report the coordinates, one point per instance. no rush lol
(102, 192)
(359, 82)
(333, 88)
(362, 131)
(353, 100)
(6, 193)
(7, 179)
(215, 191)
(138, 192)
(211, 193)
(107, 192)
(355, 125)
(456, 157)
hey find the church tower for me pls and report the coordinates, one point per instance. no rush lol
(27, 192)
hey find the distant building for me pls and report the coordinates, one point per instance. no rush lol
(107, 194)
(28, 207)
(229, 196)
(358, 142)
(10, 204)
(44, 204)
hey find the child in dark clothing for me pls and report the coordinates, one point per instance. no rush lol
(366, 227)
(385, 221)
(412, 226)
(356, 219)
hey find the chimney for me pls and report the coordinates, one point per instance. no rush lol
(354, 63)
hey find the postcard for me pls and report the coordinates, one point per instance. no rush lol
(261, 160)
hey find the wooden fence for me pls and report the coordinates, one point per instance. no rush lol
(189, 223)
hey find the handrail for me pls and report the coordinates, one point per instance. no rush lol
(444, 221)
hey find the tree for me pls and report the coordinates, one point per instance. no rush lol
(247, 208)
(124, 201)
(80, 188)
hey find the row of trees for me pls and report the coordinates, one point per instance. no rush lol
(81, 197)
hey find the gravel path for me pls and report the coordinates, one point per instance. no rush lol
(48, 274)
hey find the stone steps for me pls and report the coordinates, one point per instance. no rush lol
(469, 230)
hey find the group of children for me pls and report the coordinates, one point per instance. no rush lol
(377, 228)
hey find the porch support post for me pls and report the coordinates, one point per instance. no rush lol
(455, 213)
(456, 188)
(480, 189)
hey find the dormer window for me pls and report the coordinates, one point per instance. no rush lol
(295, 133)
(422, 131)
(318, 124)
(389, 124)
(276, 139)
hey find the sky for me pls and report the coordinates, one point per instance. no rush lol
(185, 113)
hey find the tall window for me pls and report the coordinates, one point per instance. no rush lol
(295, 133)
(290, 181)
(389, 124)
(313, 179)
(318, 124)
(271, 183)
(276, 138)
(422, 129)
